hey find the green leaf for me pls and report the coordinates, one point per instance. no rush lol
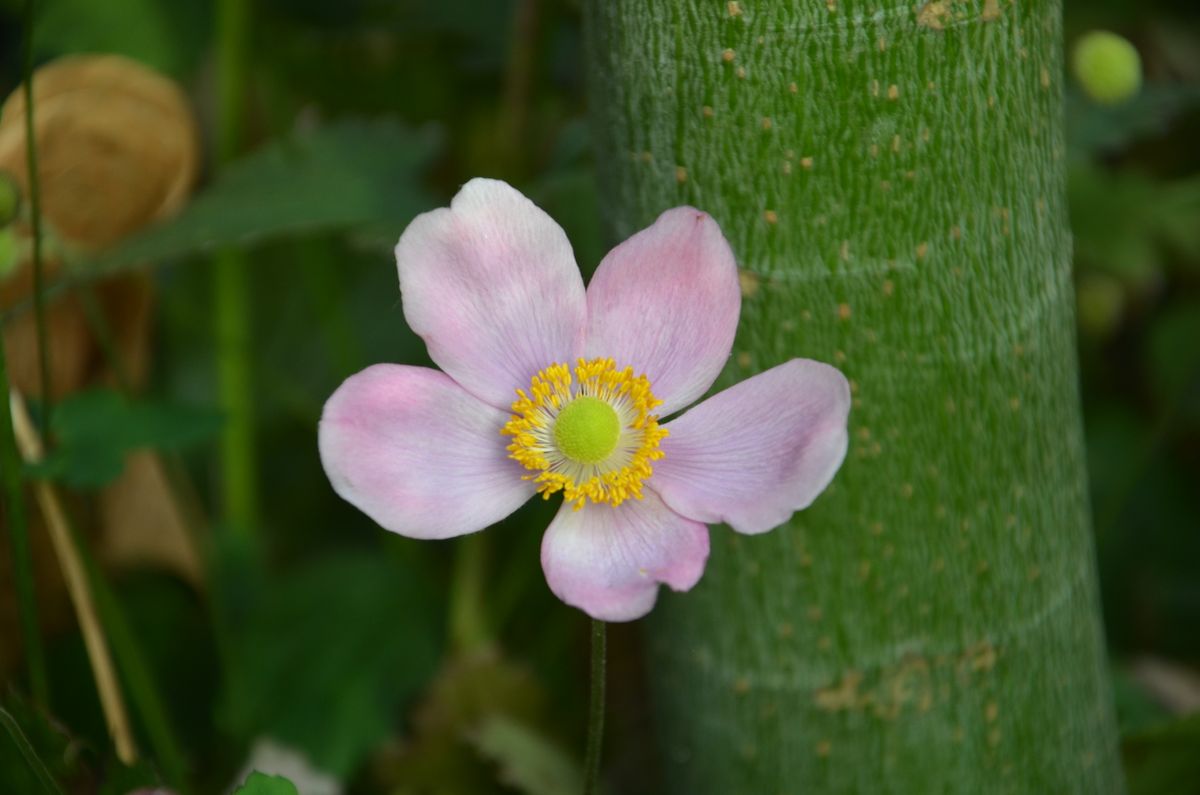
(120, 779)
(262, 784)
(1127, 223)
(1164, 760)
(329, 653)
(97, 428)
(1136, 708)
(167, 36)
(21, 760)
(339, 177)
(1174, 359)
(570, 197)
(528, 761)
(1093, 128)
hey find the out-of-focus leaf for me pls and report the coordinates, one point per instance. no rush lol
(65, 757)
(167, 36)
(120, 779)
(1164, 760)
(274, 758)
(338, 177)
(1174, 358)
(1136, 709)
(95, 429)
(44, 759)
(262, 784)
(1100, 302)
(328, 655)
(1126, 223)
(467, 691)
(571, 198)
(483, 26)
(23, 761)
(528, 761)
(1093, 128)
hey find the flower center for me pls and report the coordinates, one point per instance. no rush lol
(587, 432)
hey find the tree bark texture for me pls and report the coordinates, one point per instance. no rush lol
(891, 178)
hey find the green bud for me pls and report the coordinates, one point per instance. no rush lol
(1100, 300)
(1107, 67)
(10, 199)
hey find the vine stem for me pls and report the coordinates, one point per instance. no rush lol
(469, 627)
(76, 578)
(35, 214)
(17, 517)
(36, 765)
(231, 287)
(595, 733)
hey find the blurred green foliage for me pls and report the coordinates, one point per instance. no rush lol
(351, 176)
(262, 784)
(330, 636)
(94, 430)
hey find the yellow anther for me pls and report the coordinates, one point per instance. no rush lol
(590, 436)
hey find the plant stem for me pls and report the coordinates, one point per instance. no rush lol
(30, 755)
(78, 587)
(468, 618)
(35, 215)
(232, 288)
(518, 77)
(102, 330)
(17, 520)
(144, 692)
(595, 734)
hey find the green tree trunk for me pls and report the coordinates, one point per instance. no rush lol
(891, 179)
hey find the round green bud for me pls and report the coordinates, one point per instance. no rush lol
(1100, 303)
(10, 198)
(1107, 67)
(587, 430)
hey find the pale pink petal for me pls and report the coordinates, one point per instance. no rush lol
(492, 287)
(414, 451)
(609, 561)
(666, 302)
(759, 451)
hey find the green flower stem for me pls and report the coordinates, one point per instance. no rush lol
(16, 519)
(10, 457)
(35, 216)
(891, 179)
(595, 731)
(239, 480)
(36, 765)
(469, 626)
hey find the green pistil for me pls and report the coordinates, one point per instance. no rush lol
(587, 430)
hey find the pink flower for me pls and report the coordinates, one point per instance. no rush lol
(492, 287)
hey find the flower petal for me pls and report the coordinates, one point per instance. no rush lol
(609, 561)
(414, 451)
(666, 302)
(759, 451)
(492, 287)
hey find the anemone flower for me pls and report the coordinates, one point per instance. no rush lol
(547, 387)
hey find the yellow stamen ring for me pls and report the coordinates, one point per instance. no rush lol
(590, 436)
